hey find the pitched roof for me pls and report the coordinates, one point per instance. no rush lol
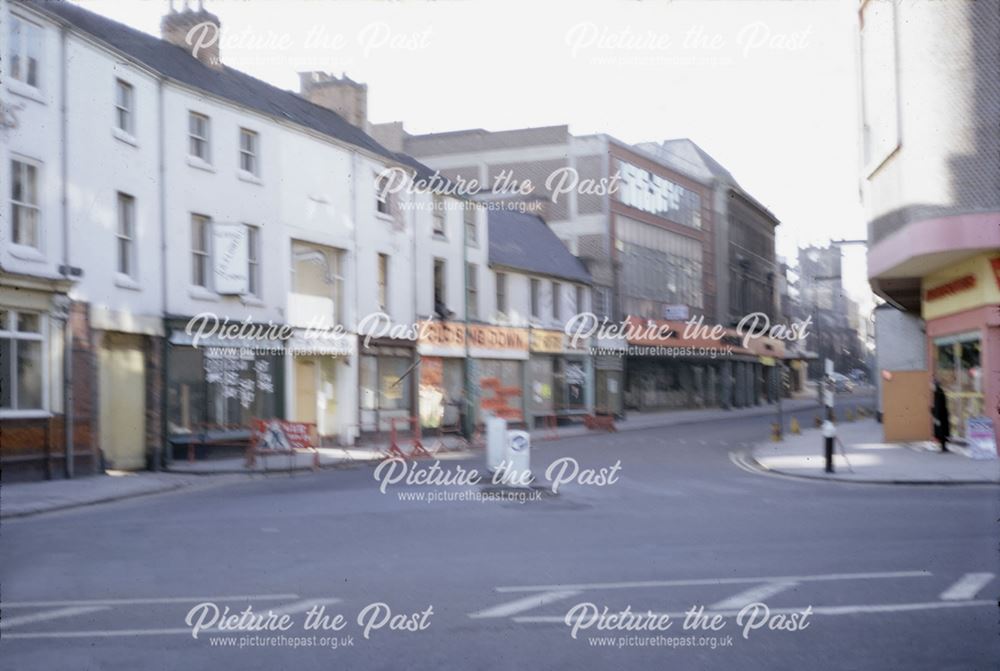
(238, 87)
(525, 242)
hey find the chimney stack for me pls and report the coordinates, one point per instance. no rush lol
(196, 31)
(343, 95)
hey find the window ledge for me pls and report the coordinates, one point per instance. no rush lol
(196, 162)
(440, 236)
(127, 282)
(384, 216)
(245, 176)
(202, 294)
(25, 90)
(254, 301)
(124, 136)
(26, 252)
(25, 414)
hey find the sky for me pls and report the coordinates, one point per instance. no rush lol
(766, 87)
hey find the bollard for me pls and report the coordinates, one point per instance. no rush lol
(818, 421)
(849, 415)
(794, 427)
(829, 433)
(775, 432)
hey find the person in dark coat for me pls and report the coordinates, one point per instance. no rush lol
(939, 411)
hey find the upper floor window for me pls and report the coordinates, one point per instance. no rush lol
(25, 211)
(383, 282)
(501, 279)
(201, 251)
(471, 232)
(317, 271)
(382, 194)
(440, 307)
(536, 287)
(472, 291)
(25, 52)
(581, 298)
(126, 235)
(439, 215)
(248, 151)
(253, 261)
(124, 105)
(198, 137)
(556, 300)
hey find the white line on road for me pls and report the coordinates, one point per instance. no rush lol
(153, 600)
(817, 610)
(714, 581)
(48, 615)
(523, 604)
(296, 607)
(967, 586)
(753, 595)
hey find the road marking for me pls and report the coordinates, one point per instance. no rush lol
(301, 606)
(153, 600)
(816, 610)
(753, 595)
(523, 604)
(967, 586)
(48, 615)
(288, 609)
(714, 581)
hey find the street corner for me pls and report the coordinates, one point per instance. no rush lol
(857, 453)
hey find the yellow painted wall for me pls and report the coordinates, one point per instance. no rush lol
(985, 292)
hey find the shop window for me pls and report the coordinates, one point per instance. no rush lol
(21, 364)
(386, 382)
(218, 387)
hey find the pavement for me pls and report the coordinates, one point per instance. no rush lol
(862, 456)
(29, 498)
(895, 578)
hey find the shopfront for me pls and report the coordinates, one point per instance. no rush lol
(497, 358)
(217, 387)
(441, 378)
(388, 383)
(677, 370)
(959, 306)
(558, 377)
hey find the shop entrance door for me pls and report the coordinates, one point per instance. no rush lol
(305, 390)
(122, 388)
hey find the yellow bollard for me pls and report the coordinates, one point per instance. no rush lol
(794, 427)
(848, 415)
(775, 432)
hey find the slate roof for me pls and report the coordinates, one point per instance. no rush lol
(525, 242)
(175, 63)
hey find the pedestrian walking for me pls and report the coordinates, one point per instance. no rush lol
(939, 411)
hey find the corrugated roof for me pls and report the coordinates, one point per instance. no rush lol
(525, 242)
(238, 87)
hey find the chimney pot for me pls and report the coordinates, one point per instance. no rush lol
(197, 32)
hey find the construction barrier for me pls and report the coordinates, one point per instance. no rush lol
(280, 437)
(417, 447)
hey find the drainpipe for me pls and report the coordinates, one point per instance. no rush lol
(68, 400)
(470, 419)
(165, 456)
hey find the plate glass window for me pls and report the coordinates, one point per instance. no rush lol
(21, 365)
